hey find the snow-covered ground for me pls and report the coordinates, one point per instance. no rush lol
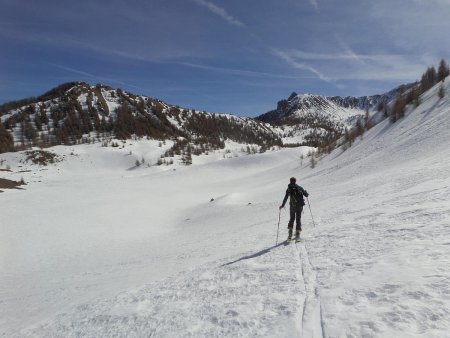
(93, 248)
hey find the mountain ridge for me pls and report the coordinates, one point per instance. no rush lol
(302, 102)
(75, 112)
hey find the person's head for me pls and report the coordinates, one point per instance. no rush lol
(293, 180)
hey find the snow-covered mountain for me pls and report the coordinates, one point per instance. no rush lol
(91, 248)
(296, 106)
(370, 102)
(320, 119)
(301, 106)
(77, 112)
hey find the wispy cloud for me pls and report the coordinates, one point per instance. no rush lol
(109, 51)
(241, 72)
(347, 55)
(315, 4)
(221, 12)
(93, 76)
(349, 51)
(349, 65)
(72, 70)
(433, 2)
(290, 60)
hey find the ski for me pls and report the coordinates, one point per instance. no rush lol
(293, 239)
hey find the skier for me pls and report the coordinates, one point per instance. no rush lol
(296, 203)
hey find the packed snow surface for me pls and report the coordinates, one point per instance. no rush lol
(96, 248)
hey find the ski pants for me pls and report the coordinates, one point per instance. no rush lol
(296, 215)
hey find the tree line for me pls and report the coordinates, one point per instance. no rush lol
(429, 78)
(406, 96)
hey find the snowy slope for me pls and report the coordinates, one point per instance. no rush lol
(106, 251)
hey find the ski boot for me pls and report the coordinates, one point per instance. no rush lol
(297, 235)
(289, 235)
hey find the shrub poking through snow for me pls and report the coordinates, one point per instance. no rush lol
(41, 157)
(9, 184)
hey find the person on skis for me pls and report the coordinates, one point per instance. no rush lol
(296, 203)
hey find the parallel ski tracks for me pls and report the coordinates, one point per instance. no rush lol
(312, 324)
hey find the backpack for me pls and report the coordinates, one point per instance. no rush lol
(296, 194)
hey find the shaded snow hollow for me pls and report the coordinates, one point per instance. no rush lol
(97, 250)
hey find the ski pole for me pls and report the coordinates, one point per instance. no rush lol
(278, 230)
(310, 212)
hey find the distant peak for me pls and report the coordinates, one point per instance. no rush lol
(293, 95)
(302, 97)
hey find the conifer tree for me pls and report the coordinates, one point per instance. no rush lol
(429, 79)
(6, 140)
(398, 110)
(443, 71)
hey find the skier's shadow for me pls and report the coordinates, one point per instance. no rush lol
(259, 253)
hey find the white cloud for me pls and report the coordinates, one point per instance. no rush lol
(220, 12)
(421, 25)
(433, 2)
(352, 66)
(289, 59)
(348, 55)
(314, 3)
(298, 54)
(241, 72)
(95, 77)
(73, 70)
(349, 52)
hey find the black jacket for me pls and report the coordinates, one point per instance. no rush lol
(296, 193)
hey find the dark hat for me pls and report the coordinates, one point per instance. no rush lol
(293, 180)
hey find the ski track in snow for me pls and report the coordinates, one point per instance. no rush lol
(211, 301)
(312, 321)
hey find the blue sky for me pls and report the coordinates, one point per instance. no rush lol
(236, 56)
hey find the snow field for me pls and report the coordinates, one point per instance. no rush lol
(117, 252)
(212, 301)
(89, 241)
